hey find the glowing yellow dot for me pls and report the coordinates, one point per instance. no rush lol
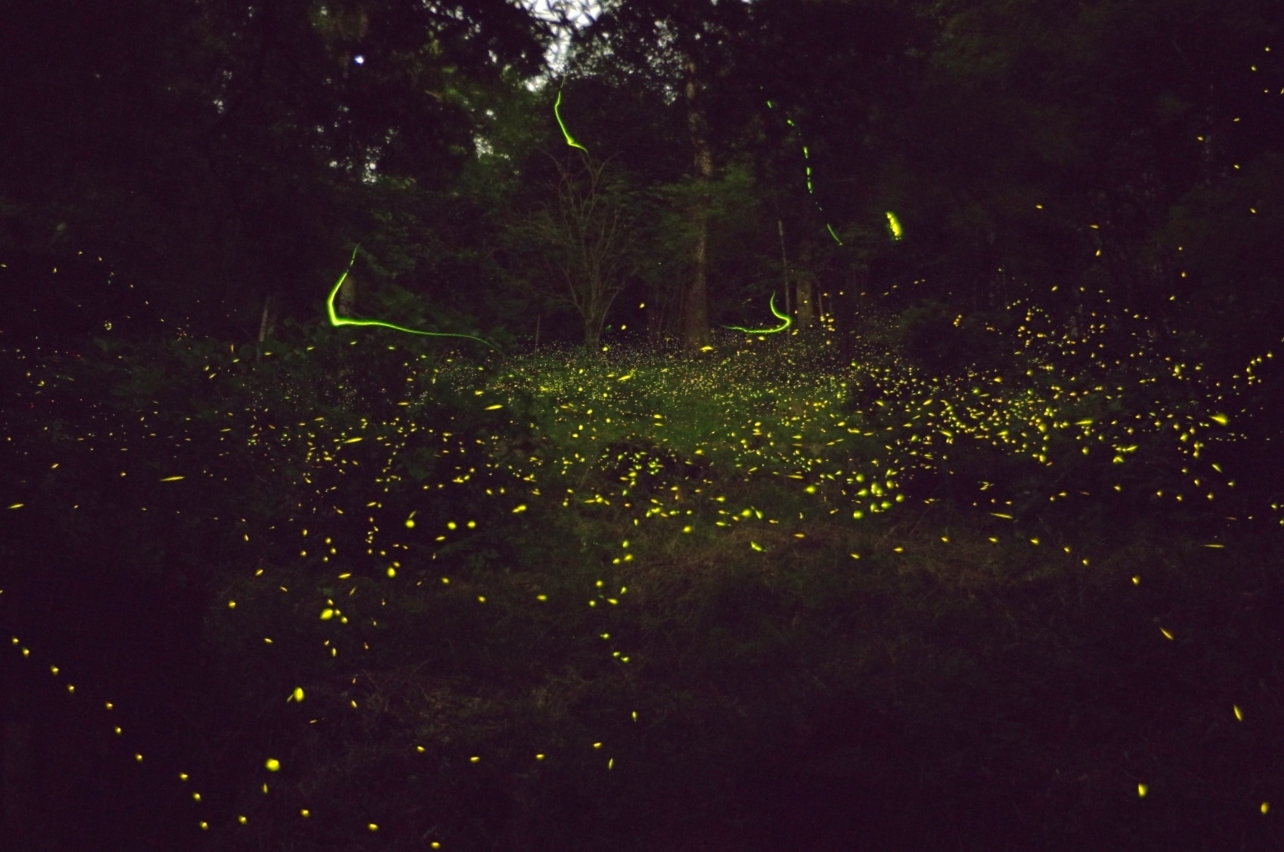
(272, 764)
(372, 827)
(474, 759)
(231, 604)
(242, 820)
(305, 813)
(1141, 790)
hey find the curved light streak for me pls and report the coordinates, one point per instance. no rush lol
(570, 140)
(785, 322)
(336, 320)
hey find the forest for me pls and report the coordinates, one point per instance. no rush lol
(632, 425)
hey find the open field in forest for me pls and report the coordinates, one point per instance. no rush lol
(756, 599)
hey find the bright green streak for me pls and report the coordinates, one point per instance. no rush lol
(570, 140)
(894, 225)
(784, 318)
(336, 320)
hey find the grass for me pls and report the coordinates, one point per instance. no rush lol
(752, 600)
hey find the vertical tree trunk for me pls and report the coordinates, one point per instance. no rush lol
(266, 322)
(784, 269)
(696, 309)
(804, 289)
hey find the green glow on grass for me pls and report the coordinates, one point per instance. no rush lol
(784, 320)
(570, 140)
(336, 320)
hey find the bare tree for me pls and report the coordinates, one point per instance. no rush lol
(590, 233)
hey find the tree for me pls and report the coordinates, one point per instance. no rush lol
(590, 232)
(680, 46)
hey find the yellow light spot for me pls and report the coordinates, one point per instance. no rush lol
(392, 572)
(855, 556)
(1266, 806)
(173, 478)
(16, 506)
(373, 827)
(231, 604)
(272, 764)
(305, 813)
(1141, 790)
(297, 695)
(494, 407)
(755, 545)
(519, 509)
(474, 759)
(1239, 714)
(1136, 581)
(327, 614)
(242, 820)
(1167, 634)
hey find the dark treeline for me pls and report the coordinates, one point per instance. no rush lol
(224, 158)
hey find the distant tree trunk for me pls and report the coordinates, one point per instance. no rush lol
(266, 323)
(805, 285)
(696, 308)
(348, 297)
(784, 269)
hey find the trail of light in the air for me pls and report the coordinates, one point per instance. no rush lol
(336, 320)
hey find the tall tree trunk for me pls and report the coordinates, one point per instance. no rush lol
(784, 269)
(696, 310)
(805, 291)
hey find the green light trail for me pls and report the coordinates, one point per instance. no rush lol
(336, 320)
(785, 322)
(893, 224)
(570, 140)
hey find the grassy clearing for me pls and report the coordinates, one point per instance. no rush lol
(636, 602)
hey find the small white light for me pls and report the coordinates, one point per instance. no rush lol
(359, 59)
